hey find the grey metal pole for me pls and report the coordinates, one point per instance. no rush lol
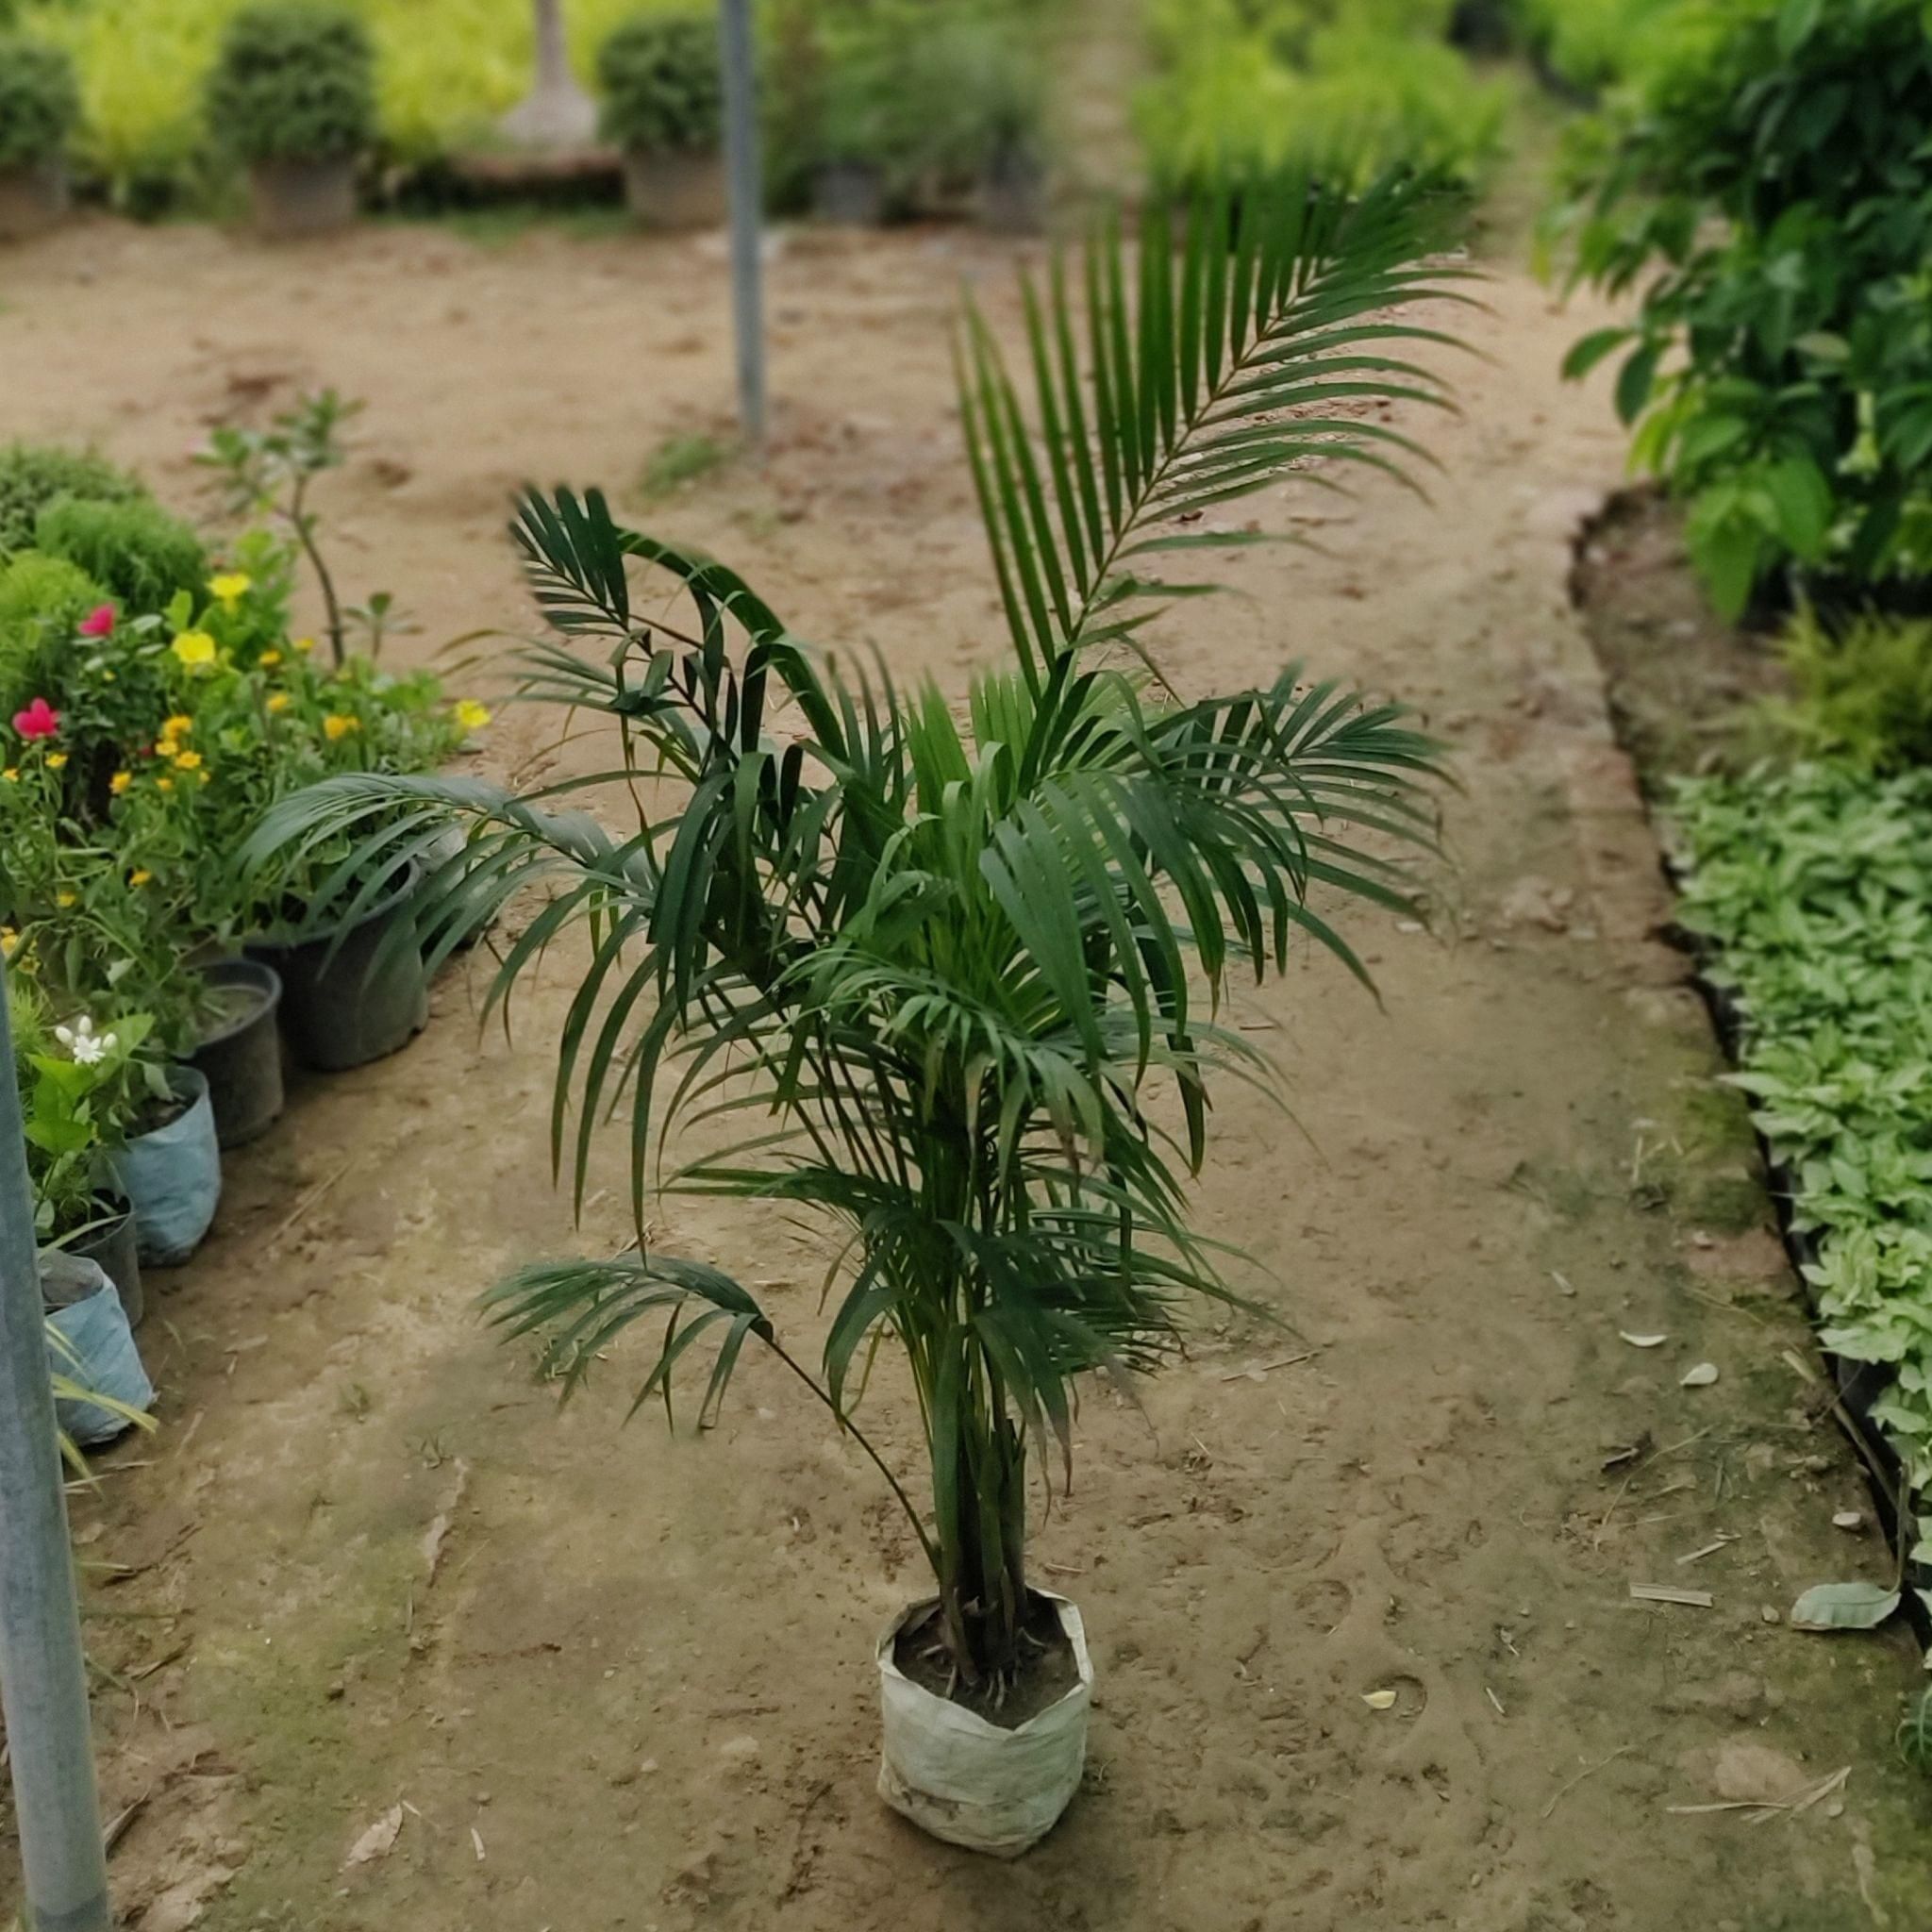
(746, 172)
(42, 1676)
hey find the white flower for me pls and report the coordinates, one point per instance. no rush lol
(87, 1046)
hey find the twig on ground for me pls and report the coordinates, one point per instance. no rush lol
(308, 1204)
(1589, 1770)
(1255, 1374)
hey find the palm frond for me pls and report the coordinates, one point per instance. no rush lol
(1258, 344)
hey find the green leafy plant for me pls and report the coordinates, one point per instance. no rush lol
(1814, 889)
(935, 964)
(1862, 690)
(662, 88)
(1769, 196)
(32, 476)
(294, 81)
(271, 472)
(679, 460)
(134, 550)
(1358, 90)
(40, 102)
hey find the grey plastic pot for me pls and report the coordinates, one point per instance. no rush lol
(291, 199)
(353, 995)
(241, 1059)
(115, 1248)
(675, 191)
(32, 199)
(173, 1174)
(852, 194)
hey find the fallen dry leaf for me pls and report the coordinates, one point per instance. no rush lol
(1379, 1700)
(378, 1840)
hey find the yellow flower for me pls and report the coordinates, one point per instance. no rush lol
(56, 760)
(269, 660)
(205, 777)
(195, 649)
(164, 784)
(139, 875)
(231, 587)
(278, 701)
(64, 900)
(9, 941)
(471, 715)
(120, 782)
(179, 726)
(339, 725)
(187, 761)
(302, 644)
(11, 775)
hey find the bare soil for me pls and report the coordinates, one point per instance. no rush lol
(1686, 690)
(1359, 1601)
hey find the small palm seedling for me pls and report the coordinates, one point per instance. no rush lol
(942, 961)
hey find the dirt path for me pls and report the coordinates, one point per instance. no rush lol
(636, 1692)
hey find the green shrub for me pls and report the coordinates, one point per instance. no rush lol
(1592, 44)
(1769, 196)
(294, 81)
(1363, 97)
(1815, 887)
(40, 101)
(1863, 691)
(662, 89)
(33, 475)
(136, 551)
(41, 600)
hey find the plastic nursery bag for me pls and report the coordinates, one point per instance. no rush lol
(95, 1349)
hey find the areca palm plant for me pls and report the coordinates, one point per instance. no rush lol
(950, 976)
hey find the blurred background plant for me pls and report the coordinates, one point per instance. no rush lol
(660, 86)
(40, 102)
(1766, 196)
(294, 80)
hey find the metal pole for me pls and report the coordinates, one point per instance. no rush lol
(42, 1677)
(746, 174)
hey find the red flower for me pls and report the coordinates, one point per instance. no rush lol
(98, 622)
(40, 720)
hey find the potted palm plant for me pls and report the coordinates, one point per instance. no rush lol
(663, 109)
(40, 108)
(923, 971)
(292, 94)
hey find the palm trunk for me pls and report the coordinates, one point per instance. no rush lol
(980, 1510)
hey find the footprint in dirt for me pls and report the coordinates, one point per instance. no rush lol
(1323, 1604)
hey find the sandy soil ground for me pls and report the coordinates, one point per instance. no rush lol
(634, 1688)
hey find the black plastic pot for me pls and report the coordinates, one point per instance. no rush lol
(242, 1059)
(115, 1246)
(353, 995)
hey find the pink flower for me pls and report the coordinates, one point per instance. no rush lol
(98, 622)
(40, 720)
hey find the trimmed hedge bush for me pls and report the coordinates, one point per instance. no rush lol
(40, 101)
(135, 551)
(662, 88)
(33, 475)
(294, 82)
(41, 600)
